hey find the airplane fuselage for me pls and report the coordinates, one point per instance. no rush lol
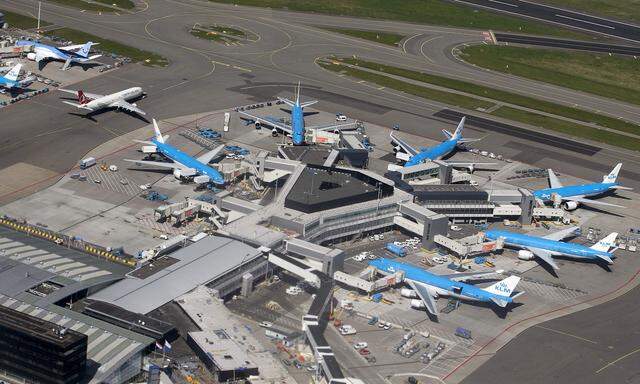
(106, 101)
(442, 285)
(573, 190)
(178, 156)
(558, 247)
(297, 125)
(433, 153)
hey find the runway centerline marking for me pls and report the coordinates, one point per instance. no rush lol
(566, 334)
(503, 3)
(585, 21)
(617, 360)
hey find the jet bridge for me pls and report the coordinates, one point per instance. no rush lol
(364, 280)
(470, 245)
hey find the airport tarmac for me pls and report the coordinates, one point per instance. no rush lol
(203, 76)
(40, 151)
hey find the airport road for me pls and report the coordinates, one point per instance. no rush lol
(204, 76)
(598, 345)
(561, 16)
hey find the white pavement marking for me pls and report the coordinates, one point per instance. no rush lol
(585, 21)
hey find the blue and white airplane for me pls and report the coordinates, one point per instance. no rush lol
(572, 195)
(426, 286)
(551, 245)
(10, 80)
(412, 156)
(297, 128)
(183, 165)
(69, 54)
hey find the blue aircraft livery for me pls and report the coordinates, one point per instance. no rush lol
(426, 286)
(572, 195)
(297, 130)
(183, 165)
(69, 54)
(10, 80)
(412, 156)
(548, 246)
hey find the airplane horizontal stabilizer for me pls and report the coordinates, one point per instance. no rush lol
(605, 258)
(501, 303)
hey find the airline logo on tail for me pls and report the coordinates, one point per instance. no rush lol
(13, 73)
(504, 287)
(82, 99)
(84, 51)
(613, 176)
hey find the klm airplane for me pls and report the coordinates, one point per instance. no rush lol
(551, 245)
(69, 54)
(412, 156)
(426, 286)
(570, 196)
(297, 128)
(183, 165)
(10, 80)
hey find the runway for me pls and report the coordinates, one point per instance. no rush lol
(561, 16)
(567, 44)
(205, 76)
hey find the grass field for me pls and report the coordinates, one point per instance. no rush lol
(427, 93)
(83, 5)
(499, 95)
(617, 9)
(616, 77)
(110, 46)
(568, 127)
(22, 22)
(227, 30)
(124, 4)
(510, 113)
(436, 12)
(379, 37)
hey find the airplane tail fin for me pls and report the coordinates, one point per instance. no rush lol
(504, 287)
(298, 94)
(82, 99)
(84, 50)
(613, 175)
(156, 129)
(607, 243)
(13, 73)
(458, 132)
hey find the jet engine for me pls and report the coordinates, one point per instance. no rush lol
(471, 168)
(31, 56)
(258, 125)
(274, 132)
(523, 254)
(177, 174)
(569, 205)
(396, 148)
(417, 304)
(410, 293)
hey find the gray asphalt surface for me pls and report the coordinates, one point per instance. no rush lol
(561, 16)
(206, 76)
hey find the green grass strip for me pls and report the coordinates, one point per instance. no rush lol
(499, 95)
(377, 36)
(19, 21)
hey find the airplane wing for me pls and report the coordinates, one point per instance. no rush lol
(544, 255)
(466, 163)
(583, 200)
(553, 180)
(41, 55)
(406, 147)
(161, 164)
(333, 127)
(91, 96)
(426, 295)
(207, 157)
(562, 234)
(280, 126)
(75, 47)
(464, 276)
(127, 107)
